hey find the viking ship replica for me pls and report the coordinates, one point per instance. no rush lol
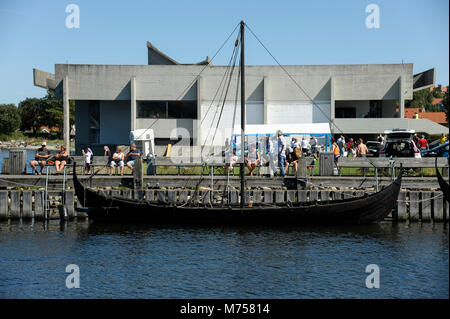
(442, 183)
(359, 210)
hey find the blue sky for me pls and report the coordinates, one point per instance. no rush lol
(33, 34)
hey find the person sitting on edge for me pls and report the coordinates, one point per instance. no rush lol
(132, 155)
(61, 158)
(252, 159)
(117, 160)
(42, 154)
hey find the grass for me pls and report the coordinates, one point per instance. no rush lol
(314, 170)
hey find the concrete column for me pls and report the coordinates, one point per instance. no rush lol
(266, 99)
(332, 102)
(66, 112)
(401, 99)
(133, 103)
(196, 128)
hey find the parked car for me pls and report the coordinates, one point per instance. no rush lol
(438, 151)
(399, 143)
(374, 148)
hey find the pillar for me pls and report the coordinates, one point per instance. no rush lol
(197, 130)
(66, 113)
(266, 99)
(133, 103)
(401, 99)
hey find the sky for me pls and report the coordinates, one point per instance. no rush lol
(33, 34)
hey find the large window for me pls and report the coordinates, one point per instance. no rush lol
(167, 109)
(94, 122)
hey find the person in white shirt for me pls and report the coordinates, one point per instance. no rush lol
(304, 147)
(281, 152)
(88, 154)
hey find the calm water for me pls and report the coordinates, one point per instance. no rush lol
(185, 262)
(30, 155)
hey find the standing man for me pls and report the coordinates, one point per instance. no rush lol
(313, 144)
(40, 158)
(351, 148)
(132, 155)
(281, 152)
(362, 149)
(304, 147)
(423, 143)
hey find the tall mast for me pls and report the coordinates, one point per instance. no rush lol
(242, 166)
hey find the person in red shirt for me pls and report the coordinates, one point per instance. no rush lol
(423, 143)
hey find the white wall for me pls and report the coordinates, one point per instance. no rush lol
(297, 112)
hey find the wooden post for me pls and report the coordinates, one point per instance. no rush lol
(279, 197)
(414, 206)
(183, 196)
(126, 193)
(401, 211)
(268, 196)
(426, 206)
(39, 204)
(138, 174)
(15, 204)
(69, 203)
(172, 196)
(4, 213)
(302, 196)
(161, 195)
(27, 204)
(438, 208)
(257, 194)
(290, 196)
(313, 195)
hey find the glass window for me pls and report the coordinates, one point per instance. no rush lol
(152, 109)
(182, 109)
(167, 109)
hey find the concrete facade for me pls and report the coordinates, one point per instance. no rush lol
(108, 97)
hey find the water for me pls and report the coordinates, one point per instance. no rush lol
(30, 155)
(125, 261)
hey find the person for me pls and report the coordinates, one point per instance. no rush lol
(230, 158)
(269, 156)
(61, 158)
(313, 145)
(40, 158)
(252, 159)
(281, 152)
(335, 151)
(416, 140)
(362, 150)
(443, 139)
(341, 144)
(88, 154)
(351, 148)
(304, 147)
(380, 139)
(423, 143)
(132, 155)
(117, 160)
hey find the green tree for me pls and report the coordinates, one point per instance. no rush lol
(55, 113)
(445, 103)
(422, 98)
(9, 118)
(32, 114)
(437, 92)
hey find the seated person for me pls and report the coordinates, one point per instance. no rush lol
(117, 160)
(132, 155)
(61, 159)
(230, 159)
(42, 154)
(252, 159)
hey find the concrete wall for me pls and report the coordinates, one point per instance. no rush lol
(169, 82)
(115, 122)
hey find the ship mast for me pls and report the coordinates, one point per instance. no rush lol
(242, 164)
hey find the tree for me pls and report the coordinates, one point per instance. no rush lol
(32, 113)
(422, 98)
(445, 103)
(55, 112)
(9, 118)
(437, 92)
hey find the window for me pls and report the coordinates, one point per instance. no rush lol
(94, 121)
(167, 109)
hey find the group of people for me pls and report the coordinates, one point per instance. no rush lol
(341, 148)
(286, 154)
(119, 159)
(44, 157)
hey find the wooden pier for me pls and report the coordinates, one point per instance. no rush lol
(413, 206)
